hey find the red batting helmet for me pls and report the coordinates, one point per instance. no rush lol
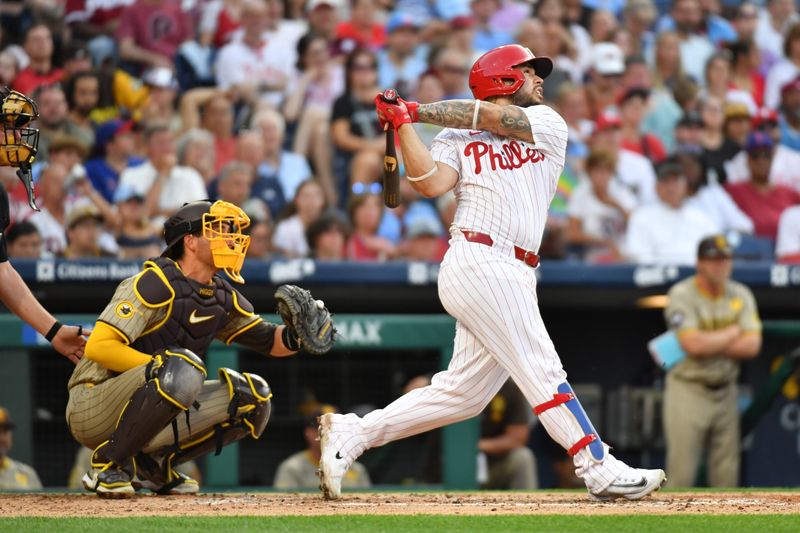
(488, 74)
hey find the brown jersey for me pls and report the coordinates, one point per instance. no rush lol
(690, 309)
(161, 308)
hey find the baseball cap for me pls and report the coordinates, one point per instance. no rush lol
(765, 116)
(714, 247)
(423, 227)
(793, 85)
(314, 4)
(64, 141)
(160, 77)
(322, 409)
(734, 110)
(81, 212)
(608, 59)
(607, 120)
(633, 92)
(5, 419)
(758, 140)
(668, 168)
(400, 20)
(106, 131)
(126, 192)
(462, 22)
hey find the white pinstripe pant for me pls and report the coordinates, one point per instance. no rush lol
(499, 333)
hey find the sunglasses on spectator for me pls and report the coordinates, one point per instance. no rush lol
(364, 66)
(364, 188)
(760, 154)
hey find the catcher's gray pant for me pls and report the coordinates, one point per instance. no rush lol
(93, 411)
(711, 432)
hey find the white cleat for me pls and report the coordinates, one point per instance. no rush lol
(633, 484)
(332, 465)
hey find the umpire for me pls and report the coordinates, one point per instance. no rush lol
(18, 146)
(143, 365)
(718, 326)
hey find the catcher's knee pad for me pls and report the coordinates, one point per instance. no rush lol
(178, 374)
(250, 399)
(591, 439)
(248, 411)
(175, 379)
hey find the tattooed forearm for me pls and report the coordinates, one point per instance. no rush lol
(513, 123)
(503, 120)
(448, 113)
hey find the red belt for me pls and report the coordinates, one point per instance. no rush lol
(526, 256)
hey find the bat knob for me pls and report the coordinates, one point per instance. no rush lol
(390, 95)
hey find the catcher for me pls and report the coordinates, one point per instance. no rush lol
(140, 397)
(18, 147)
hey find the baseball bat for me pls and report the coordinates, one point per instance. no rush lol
(391, 171)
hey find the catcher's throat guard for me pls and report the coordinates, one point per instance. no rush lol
(20, 143)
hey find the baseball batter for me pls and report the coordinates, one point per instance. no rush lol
(140, 397)
(503, 154)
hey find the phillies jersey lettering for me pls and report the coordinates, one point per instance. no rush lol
(505, 185)
(510, 157)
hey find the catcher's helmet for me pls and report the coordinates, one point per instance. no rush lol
(491, 70)
(221, 223)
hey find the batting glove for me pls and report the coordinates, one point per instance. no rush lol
(393, 114)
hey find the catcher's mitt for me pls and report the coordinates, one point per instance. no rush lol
(307, 318)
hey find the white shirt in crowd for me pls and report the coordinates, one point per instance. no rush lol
(718, 205)
(779, 75)
(788, 242)
(598, 219)
(239, 64)
(184, 184)
(290, 237)
(785, 169)
(659, 234)
(54, 237)
(636, 173)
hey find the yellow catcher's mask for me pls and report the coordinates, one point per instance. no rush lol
(221, 223)
(223, 226)
(19, 143)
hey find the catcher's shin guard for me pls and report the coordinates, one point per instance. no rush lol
(248, 412)
(175, 380)
(591, 439)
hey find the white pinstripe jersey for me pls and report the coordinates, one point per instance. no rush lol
(505, 185)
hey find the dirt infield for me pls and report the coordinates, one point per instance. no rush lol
(273, 504)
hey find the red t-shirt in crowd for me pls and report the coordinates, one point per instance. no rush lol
(225, 152)
(27, 80)
(375, 40)
(763, 208)
(159, 27)
(356, 250)
(649, 146)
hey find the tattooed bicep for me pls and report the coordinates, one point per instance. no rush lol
(514, 123)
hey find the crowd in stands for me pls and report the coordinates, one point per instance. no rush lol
(684, 121)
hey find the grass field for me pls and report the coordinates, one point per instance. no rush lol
(415, 523)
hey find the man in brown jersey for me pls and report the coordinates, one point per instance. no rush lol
(143, 365)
